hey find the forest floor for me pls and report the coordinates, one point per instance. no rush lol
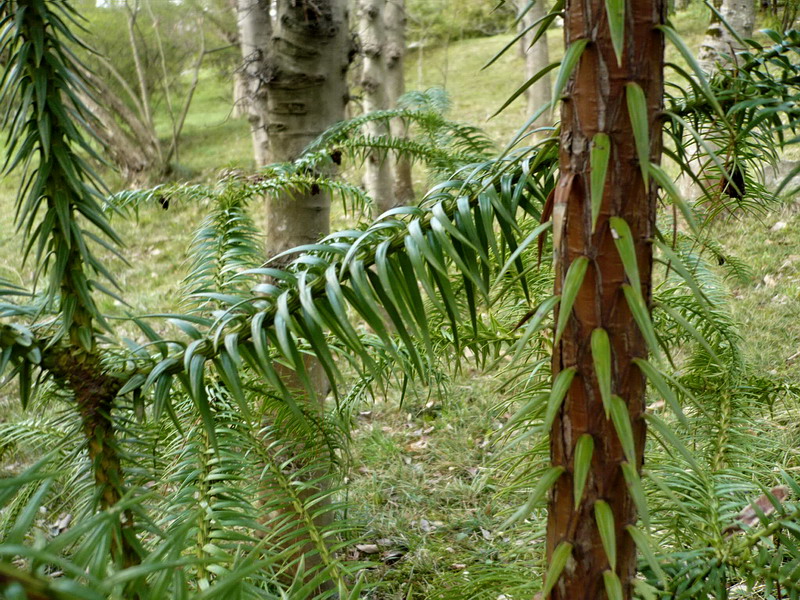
(422, 484)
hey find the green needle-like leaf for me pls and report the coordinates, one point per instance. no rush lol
(571, 58)
(601, 356)
(671, 439)
(582, 463)
(623, 240)
(637, 492)
(598, 159)
(645, 545)
(662, 387)
(642, 317)
(615, 9)
(665, 183)
(690, 59)
(605, 525)
(613, 585)
(557, 563)
(560, 388)
(622, 425)
(637, 111)
(572, 285)
(546, 481)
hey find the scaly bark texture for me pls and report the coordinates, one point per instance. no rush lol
(394, 58)
(94, 391)
(537, 57)
(372, 32)
(595, 101)
(307, 92)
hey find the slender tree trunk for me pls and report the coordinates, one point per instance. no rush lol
(144, 91)
(307, 92)
(378, 173)
(240, 96)
(595, 103)
(395, 23)
(719, 45)
(537, 57)
(255, 32)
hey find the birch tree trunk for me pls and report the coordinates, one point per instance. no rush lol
(255, 31)
(372, 32)
(395, 23)
(537, 57)
(595, 103)
(719, 46)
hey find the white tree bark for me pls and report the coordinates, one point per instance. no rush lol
(240, 96)
(298, 89)
(307, 93)
(719, 46)
(394, 55)
(372, 33)
(255, 31)
(537, 57)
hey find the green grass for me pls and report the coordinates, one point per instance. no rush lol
(421, 484)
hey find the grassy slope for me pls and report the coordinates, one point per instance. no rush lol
(419, 483)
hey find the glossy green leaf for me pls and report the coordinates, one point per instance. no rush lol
(572, 285)
(558, 561)
(690, 59)
(641, 315)
(613, 585)
(636, 490)
(646, 547)
(24, 520)
(622, 425)
(546, 481)
(521, 89)
(670, 439)
(544, 309)
(561, 386)
(598, 159)
(640, 123)
(601, 356)
(623, 240)
(677, 264)
(582, 463)
(662, 387)
(693, 331)
(615, 9)
(568, 63)
(665, 182)
(604, 518)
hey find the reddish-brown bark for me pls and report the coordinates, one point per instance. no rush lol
(595, 101)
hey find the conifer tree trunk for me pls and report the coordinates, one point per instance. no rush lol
(395, 23)
(537, 57)
(255, 31)
(307, 93)
(595, 102)
(378, 173)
